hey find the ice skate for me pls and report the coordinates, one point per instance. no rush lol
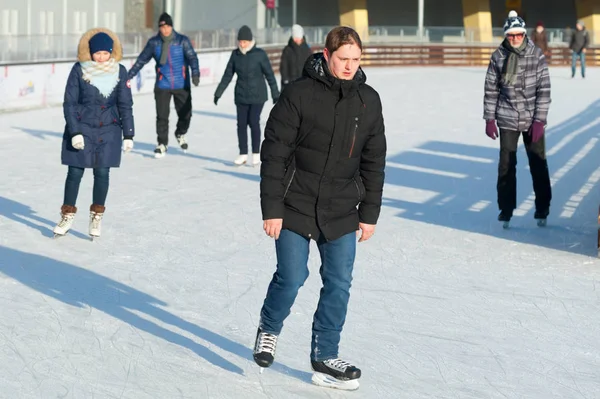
(255, 159)
(541, 216)
(264, 349)
(67, 214)
(505, 217)
(182, 143)
(240, 160)
(160, 151)
(335, 373)
(96, 214)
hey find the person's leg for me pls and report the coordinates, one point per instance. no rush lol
(582, 64)
(507, 171)
(101, 184)
(574, 57)
(292, 271)
(163, 104)
(254, 122)
(72, 183)
(242, 127)
(337, 263)
(538, 166)
(183, 106)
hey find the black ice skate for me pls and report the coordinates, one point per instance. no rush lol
(541, 216)
(182, 142)
(264, 348)
(160, 151)
(505, 217)
(335, 373)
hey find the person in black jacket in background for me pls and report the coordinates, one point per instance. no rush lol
(322, 175)
(294, 56)
(252, 66)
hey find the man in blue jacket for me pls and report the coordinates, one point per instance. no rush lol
(174, 55)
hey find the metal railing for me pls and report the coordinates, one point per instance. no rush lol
(45, 48)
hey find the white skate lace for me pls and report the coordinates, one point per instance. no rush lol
(181, 140)
(338, 364)
(66, 219)
(266, 343)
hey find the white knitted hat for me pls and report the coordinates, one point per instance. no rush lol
(297, 31)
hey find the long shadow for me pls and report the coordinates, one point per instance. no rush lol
(79, 287)
(139, 147)
(23, 214)
(454, 185)
(238, 175)
(216, 114)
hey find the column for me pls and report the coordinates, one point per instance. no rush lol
(477, 19)
(589, 12)
(354, 13)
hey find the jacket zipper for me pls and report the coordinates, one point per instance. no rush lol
(171, 70)
(357, 188)
(290, 183)
(353, 140)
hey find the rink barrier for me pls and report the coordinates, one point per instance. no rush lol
(36, 85)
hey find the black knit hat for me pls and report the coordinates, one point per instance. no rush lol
(165, 19)
(245, 33)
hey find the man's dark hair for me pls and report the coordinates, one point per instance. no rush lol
(341, 36)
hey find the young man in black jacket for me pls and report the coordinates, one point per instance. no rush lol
(322, 174)
(294, 56)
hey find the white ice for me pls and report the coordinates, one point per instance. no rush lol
(444, 303)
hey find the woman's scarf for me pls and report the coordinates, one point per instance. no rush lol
(102, 75)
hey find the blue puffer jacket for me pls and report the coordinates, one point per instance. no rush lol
(103, 121)
(174, 74)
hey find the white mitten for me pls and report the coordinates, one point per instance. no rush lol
(127, 145)
(77, 142)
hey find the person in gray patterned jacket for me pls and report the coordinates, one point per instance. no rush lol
(517, 99)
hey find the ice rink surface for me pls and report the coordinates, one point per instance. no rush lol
(444, 303)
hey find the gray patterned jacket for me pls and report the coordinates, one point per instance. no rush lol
(516, 107)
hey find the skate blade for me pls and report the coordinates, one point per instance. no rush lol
(541, 222)
(92, 238)
(58, 236)
(324, 380)
(157, 156)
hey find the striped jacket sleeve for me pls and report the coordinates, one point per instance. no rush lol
(491, 91)
(542, 97)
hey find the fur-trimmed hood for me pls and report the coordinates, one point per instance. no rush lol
(83, 50)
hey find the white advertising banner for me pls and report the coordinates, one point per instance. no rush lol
(40, 85)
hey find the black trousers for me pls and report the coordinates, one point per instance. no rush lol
(507, 171)
(249, 115)
(183, 106)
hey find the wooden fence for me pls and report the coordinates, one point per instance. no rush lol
(442, 55)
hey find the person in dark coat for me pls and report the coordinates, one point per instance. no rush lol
(540, 38)
(252, 66)
(322, 175)
(174, 56)
(517, 97)
(580, 41)
(294, 56)
(98, 111)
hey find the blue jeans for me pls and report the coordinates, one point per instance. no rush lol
(74, 179)
(576, 56)
(337, 262)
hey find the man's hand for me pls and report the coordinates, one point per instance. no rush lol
(272, 227)
(367, 231)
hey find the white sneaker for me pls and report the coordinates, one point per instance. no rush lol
(241, 159)
(255, 159)
(96, 214)
(160, 151)
(66, 222)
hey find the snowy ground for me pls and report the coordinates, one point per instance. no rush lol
(444, 304)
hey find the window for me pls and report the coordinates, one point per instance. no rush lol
(9, 22)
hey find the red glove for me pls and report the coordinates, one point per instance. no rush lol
(536, 131)
(491, 130)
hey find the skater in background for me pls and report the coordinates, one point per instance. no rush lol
(580, 41)
(174, 55)
(294, 56)
(252, 66)
(322, 175)
(517, 100)
(98, 110)
(540, 38)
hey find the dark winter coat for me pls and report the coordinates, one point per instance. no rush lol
(540, 39)
(251, 68)
(103, 122)
(292, 62)
(324, 155)
(579, 40)
(516, 107)
(175, 73)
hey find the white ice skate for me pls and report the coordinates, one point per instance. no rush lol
(182, 143)
(66, 222)
(335, 373)
(96, 214)
(255, 159)
(160, 151)
(240, 160)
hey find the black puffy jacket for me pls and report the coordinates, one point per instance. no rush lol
(292, 61)
(252, 69)
(324, 154)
